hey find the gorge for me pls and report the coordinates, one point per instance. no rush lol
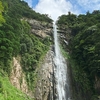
(42, 60)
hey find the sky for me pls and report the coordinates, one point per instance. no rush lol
(55, 8)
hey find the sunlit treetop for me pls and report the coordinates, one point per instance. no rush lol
(2, 20)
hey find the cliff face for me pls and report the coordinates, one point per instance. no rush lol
(44, 87)
(25, 38)
(43, 78)
(17, 77)
(41, 29)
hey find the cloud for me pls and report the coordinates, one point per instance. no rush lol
(89, 5)
(54, 8)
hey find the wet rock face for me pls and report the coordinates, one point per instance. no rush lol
(44, 87)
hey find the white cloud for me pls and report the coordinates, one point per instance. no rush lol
(54, 8)
(89, 4)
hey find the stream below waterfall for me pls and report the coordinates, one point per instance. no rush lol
(62, 90)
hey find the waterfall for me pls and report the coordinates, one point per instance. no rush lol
(60, 71)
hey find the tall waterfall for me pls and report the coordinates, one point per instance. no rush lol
(60, 71)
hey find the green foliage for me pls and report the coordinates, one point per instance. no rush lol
(65, 53)
(2, 20)
(67, 19)
(16, 37)
(85, 50)
(84, 46)
(32, 51)
(18, 8)
(9, 92)
(13, 31)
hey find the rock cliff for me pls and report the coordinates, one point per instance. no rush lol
(44, 87)
(41, 29)
(44, 72)
(17, 77)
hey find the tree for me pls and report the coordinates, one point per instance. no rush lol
(2, 20)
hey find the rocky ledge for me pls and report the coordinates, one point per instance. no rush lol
(39, 28)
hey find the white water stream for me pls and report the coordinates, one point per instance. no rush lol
(60, 71)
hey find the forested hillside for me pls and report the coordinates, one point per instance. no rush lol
(16, 39)
(83, 35)
(19, 40)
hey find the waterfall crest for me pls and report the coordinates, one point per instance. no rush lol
(60, 71)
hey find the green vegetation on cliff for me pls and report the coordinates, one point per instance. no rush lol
(84, 47)
(9, 92)
(16, 39)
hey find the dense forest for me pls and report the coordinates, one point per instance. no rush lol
(16, 39)
(83, 35)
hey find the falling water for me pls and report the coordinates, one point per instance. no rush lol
(60, 70)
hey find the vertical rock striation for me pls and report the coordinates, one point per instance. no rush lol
(17, 77)
(44, 87)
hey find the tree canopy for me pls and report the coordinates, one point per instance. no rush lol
(2, 20)
(84, 44)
